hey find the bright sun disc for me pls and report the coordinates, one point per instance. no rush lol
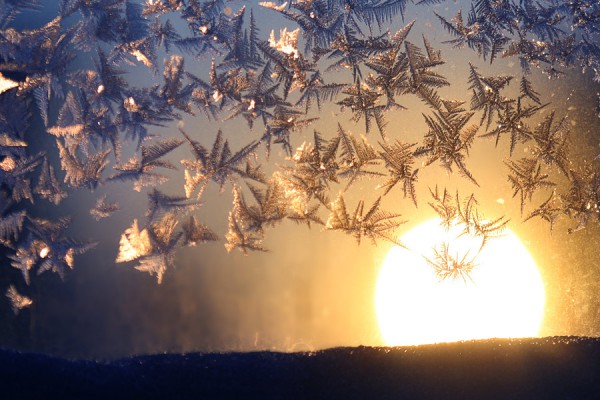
(504, 298)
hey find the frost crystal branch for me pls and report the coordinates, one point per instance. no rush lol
(526, 177)
(374, 224)
(447, 266)
(17, 300)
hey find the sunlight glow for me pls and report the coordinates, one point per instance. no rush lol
(287, 43)
(504, 298)
(7, 84)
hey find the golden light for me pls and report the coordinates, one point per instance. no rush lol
(503, 297)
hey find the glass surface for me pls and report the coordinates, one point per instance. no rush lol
(132, 136)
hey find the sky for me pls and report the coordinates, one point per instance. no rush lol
(314, 289)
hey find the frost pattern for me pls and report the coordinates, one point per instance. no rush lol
(335, 54)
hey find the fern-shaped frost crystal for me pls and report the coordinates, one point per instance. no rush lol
(133, 244)
(17, 300)
(374, 224)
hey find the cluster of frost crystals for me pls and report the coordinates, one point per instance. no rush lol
(334, 55)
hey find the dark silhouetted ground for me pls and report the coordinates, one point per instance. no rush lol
(548, 368)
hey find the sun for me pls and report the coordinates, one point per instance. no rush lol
(502, 296)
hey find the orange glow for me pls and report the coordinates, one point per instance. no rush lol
(504, 298)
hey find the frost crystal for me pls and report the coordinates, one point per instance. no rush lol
(103, 208)
(133, 244)
(287, 43)
(141, 57)
(273, 6)
(17, 301)
(6, 84)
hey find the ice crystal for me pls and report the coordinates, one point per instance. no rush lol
(238, 238)
(6, 84)
(140, 169)
(454, 211)
(104, 209)
(374, 224)
(218, 164)
(287, 43)
(133, 244)
(526, 177)
(399, 160)
(17, 300)
(195, 232)
(449, 139)
(549, 210)
(447, 266)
